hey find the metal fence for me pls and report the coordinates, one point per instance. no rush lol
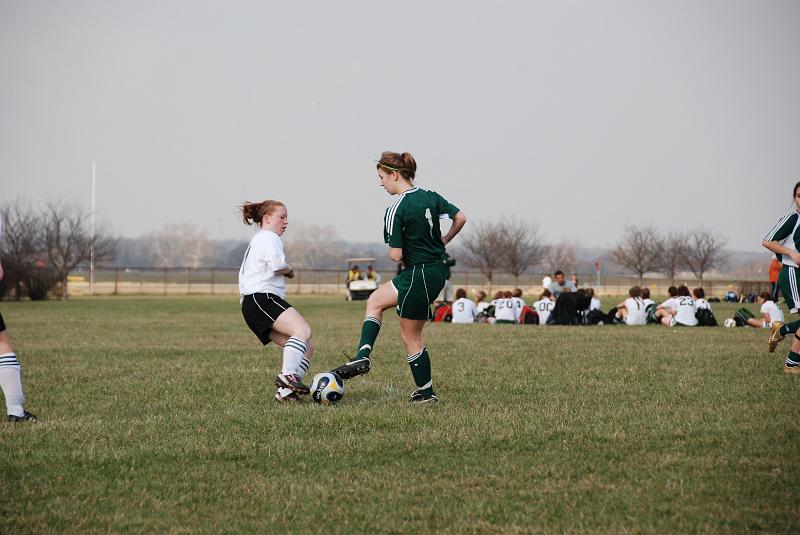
(224, 281)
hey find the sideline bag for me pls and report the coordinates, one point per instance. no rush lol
(705, 318)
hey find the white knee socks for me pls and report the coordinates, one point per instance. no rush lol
(11, 383)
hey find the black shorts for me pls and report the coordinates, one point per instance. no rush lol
(2, 324)
(260, 311)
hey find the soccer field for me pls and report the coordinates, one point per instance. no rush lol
(157, 416)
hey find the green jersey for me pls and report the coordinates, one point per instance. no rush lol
(787, 233)
(412, 223)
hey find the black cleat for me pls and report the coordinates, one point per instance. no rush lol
(352, 368)
(417, 397)
(292, 382)
(26, 417)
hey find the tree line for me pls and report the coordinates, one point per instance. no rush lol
(514, 246)
(40, 247)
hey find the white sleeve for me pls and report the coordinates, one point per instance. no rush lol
(275, 256)
(765, 308)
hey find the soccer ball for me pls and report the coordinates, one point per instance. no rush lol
(327, 388)
(730, 322)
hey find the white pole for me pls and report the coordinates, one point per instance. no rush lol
(91, 243)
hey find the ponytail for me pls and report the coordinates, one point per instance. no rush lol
(400, 163)
(255, 212)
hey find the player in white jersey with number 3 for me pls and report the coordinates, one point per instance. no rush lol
(464, 310)
(262, 287)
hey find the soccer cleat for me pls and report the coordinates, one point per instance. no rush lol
(416, 397)
(26, 417)
(292, 382)
(791, 370)
(775, 335)
(352, 368)
(289, 398)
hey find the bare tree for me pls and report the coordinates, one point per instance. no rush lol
(704, 252)
(673, 255)
(639, 250)
(483, 248)
(561, 256)
(180, 245)
(312, 246)
(523, 246)
(68, 241)
(22, 244)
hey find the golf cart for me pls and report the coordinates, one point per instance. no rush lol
(360, 288)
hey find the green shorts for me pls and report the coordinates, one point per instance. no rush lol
(417, 287)
(790, 287)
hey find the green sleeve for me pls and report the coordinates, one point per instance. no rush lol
(783, 229)
(393, 229)
(444, 207)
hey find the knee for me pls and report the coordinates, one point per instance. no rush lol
(5, 343)
(309, 349)
(303, 332)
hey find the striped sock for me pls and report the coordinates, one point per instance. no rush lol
(421, 370)
(293, 353)
(11, 383)
(790, 328)
(792, 360)
(303, 368)
(369, 333)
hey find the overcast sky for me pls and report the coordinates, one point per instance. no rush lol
(582, 116)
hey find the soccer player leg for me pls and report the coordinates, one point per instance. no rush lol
(280, 340)
(418, 359)
(793, 359)
(295, 349)
(11, 379)
(790, 287)
(381, 299)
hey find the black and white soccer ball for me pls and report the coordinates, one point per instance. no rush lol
(327, 388)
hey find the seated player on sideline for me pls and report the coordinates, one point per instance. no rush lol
(464, 310)
(411, 229)
(679, 310)
(700, 299)
(632, 310)
(544, 306)
(518, 303)
(770, 313)
(503, 308)
(262, 287)
(11, 377)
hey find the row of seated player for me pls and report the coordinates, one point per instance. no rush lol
(682, 308)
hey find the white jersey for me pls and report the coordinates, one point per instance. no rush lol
(517, 303)
(503, 309)
(702, 303)
(546, 282)
(672, 303)
(636, 311)
(483, 305)
(263, 257)
(648, 303)
(595, 304)
(685, 311)
(544, 307)
(775, 313)
(464, 311)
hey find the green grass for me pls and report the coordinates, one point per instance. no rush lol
(156, 416)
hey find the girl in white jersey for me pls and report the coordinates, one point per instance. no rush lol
(770, 312)
(783, 240)
(632, 311)
(263, 292)
(503, 308)
(544, 306)
(679, 310)
(464, 310)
